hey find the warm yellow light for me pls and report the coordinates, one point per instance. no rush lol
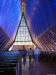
(23, 7)
(23, 3)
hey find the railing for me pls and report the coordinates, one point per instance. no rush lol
(11, 60)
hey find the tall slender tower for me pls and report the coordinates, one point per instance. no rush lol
(23, 36)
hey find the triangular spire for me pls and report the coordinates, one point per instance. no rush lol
(23, 35)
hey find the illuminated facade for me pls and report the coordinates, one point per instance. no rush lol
(23, 36)
(41, 21)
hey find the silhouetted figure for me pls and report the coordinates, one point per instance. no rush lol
(36, 53)
(24, 56)
(33, 55)
(30, 55)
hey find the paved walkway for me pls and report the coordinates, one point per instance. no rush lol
(40, 68)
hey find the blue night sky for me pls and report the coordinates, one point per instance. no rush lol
(40, 15)
(10, 12)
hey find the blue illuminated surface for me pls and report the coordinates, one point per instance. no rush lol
(10, 11)
(41, 14)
